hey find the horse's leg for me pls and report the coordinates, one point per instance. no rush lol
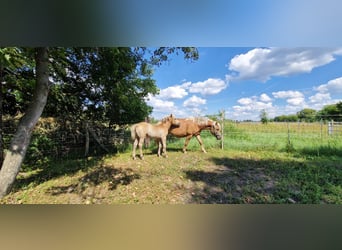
(141, 142)
(198, 137)
(187, 139)
(135, 143)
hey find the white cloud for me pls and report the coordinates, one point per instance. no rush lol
(194, 102)
(173, 92)
(210, 86)
(263, 63)
(245, 101)
(298, 101)
(265, 98)
(333, 86)
(159, 104)
(162, 108)
(250, 108)
(169, 99)
(320, 98)
(287, 94)
(294, 98)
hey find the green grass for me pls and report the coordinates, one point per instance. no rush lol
(259, 164)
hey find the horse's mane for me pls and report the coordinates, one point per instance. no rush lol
(202, 121)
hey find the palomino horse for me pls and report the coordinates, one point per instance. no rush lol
(190, 127)
(158, 131)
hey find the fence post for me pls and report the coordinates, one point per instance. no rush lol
(321, 123)
(288, 133)
(147, 140)
(289, 146)
(330, 127)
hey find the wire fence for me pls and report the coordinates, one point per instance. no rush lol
(65, 139)
(334, 128)
(288, 136)
(58, 139)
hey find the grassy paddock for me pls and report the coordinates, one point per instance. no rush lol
(299, 138)
(259, 164)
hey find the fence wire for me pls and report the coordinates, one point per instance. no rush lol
(65, 139)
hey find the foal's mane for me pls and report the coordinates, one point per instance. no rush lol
(165, 119)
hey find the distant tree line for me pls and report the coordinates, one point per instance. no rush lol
(327, 113)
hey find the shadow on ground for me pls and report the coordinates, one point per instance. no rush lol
(85, 186)
(54, 170)
(231, 181)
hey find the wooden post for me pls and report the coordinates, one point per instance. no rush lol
(330, 127)
(289, 147)
(321, 123)
(86, 152)
(147, 140)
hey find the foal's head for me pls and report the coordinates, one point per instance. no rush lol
(173, 121)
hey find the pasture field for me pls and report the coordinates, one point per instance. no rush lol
(263, 164)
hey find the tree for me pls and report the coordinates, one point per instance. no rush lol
(286, 118)
(18, 80)
(307, 115)
(124, 81)
(108, 84)
(339, 110)
(21, 139)
(264, 117)
(330, 112)
(14, 84)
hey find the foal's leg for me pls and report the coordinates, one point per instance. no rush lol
(159, 145)
(198, 137)
(187, 139)
(141, 143)
(135, 144)
(163, 141)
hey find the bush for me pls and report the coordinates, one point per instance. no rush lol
(39, 151)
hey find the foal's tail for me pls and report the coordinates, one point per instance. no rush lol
(133, 132)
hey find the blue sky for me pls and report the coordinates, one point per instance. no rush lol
(245, 80)
(154, 23)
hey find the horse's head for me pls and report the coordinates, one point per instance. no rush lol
(215, 130)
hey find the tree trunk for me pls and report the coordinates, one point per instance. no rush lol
(97, 139)
(1, 123)
(21, 140)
